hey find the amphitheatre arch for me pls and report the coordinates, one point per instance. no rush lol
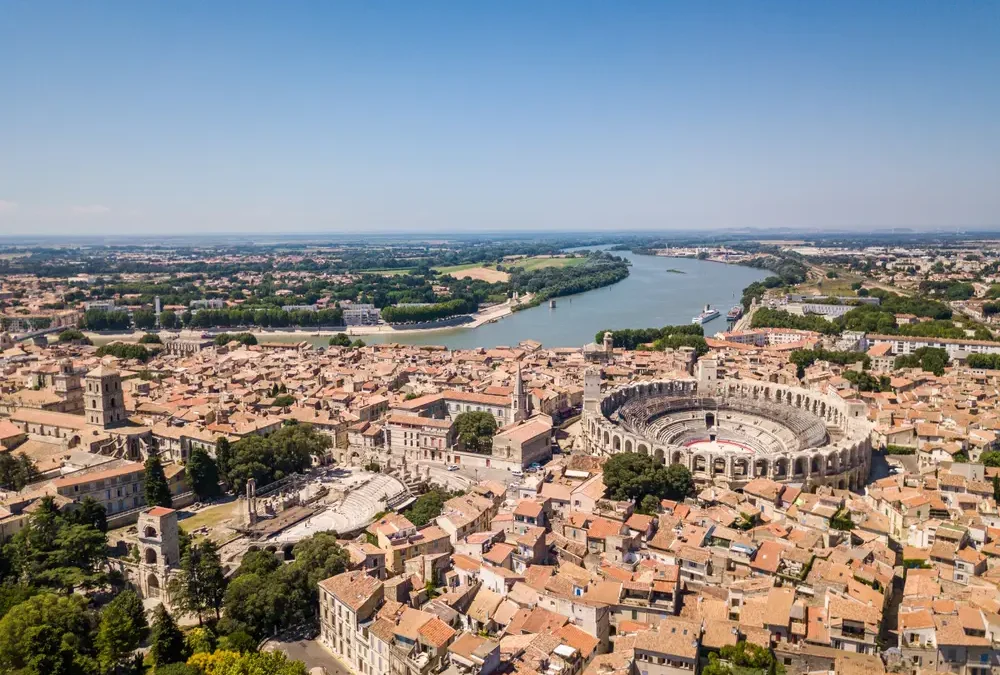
(737, 431)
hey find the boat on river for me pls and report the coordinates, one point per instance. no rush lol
(706, 315)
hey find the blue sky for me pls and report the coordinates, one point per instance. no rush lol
(186, 117)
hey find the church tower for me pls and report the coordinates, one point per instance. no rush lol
(609, 344)
(104, 398)
(67, 385)
(519, 397)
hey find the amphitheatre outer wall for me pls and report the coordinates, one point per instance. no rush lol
(840, 459)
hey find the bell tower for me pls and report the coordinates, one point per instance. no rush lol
(104, 400)
(519, 397)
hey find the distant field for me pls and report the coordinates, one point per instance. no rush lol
(394, 272)
(474, 271)
(540, 262)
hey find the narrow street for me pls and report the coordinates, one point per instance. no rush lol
(311, 653)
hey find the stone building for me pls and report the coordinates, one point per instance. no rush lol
(104, 399)
(159, 551)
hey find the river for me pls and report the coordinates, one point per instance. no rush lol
(650, 296)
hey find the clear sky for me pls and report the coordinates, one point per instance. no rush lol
(335, 116)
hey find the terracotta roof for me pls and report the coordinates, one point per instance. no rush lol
(353, 589)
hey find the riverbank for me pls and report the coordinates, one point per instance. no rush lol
(648, 297)
(487, 315)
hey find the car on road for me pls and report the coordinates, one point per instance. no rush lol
(453, 467)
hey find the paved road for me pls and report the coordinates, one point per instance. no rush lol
(465, 477)
(311, 653)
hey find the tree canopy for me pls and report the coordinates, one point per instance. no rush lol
(48, 634)
(54, 551)
(269, 458)
(475, 429)
(234, 663)
(124, 350)
(200, 584)
(631, 476)
(166, 642)
(123, 628)
(202, 474)
(929, 359)
(155, 486)
(265, 594)
(427, 507)
(16, 471)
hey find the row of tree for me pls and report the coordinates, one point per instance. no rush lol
(631, 338)
(125, 350)
(929, 359)
(601, 269)
(428, 312)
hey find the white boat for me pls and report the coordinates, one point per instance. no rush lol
(707, 315)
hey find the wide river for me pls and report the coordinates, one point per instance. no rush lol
(651, 296)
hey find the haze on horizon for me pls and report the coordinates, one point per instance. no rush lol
(241, 117)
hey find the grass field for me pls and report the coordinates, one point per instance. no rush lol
(540, 262)
(387, 272)
(210, 517)
(474, 271)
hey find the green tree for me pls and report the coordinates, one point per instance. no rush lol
(631, 476)
(199, 641)
(996, 489)
(123, 350)
(200, 585)
(53, 551)
(679, 483)
(284, 400)
(202, 474)
(73, 335)
(427, 507)
(177, 669)
(321, 556)
(255, 663)
(155, 486)
(166, 642)
(340, 340)
(475, 429)
(16, 471)
(168, 319)
(12, 595)
(238, 641)
(48, 635)
(89, 512)
(748, 655)
(649, 505)
(929, 359)
(123, 628)
(268, 458)
(258, 562)
(150, 339)
(990, 458)
(144, 319)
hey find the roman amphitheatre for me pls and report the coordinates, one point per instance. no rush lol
(729, 432)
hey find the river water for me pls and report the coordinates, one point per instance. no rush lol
(651, 296)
